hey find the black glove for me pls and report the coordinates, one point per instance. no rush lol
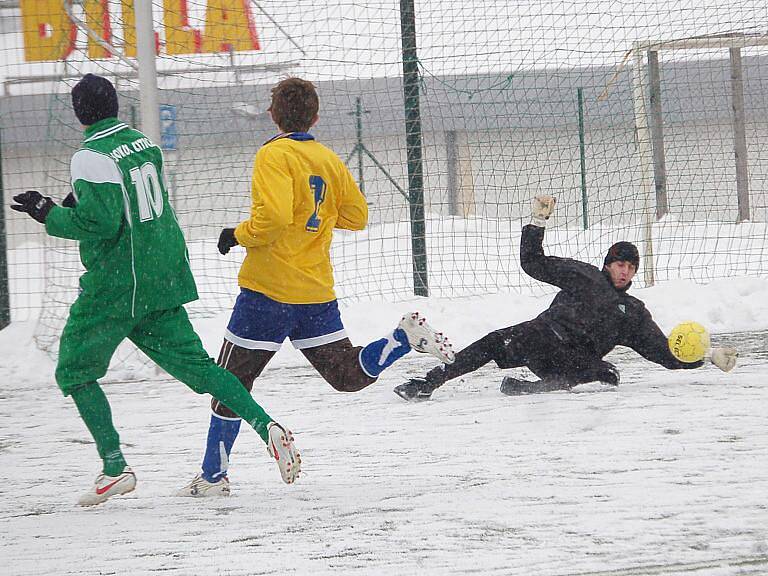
(34, 204)
(227, 240)
(70, 201)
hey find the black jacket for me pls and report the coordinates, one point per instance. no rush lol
(589, 315)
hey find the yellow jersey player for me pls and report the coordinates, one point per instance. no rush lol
(300, 192)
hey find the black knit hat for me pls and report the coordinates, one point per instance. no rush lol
(93, 99)
(623, 252)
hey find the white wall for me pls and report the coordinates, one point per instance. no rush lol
(211, 187)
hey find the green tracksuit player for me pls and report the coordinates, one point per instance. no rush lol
(136, 282)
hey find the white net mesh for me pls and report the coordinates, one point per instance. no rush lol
(510, 107)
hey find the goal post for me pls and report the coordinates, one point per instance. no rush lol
(649, 124)
(145, 47)
(643, 140)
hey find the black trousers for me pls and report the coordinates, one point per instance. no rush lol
(532, 344)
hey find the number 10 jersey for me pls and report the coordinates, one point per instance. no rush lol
(131, 244)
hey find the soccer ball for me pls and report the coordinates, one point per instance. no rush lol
(689, 342)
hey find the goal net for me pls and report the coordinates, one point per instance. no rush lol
(514, 100)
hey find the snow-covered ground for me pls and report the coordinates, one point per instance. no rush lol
(668, 474)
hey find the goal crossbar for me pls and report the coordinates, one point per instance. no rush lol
(706, 42)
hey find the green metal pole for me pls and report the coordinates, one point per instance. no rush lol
(413, 147)
(5, 298)
(359, 128)
(582, 156)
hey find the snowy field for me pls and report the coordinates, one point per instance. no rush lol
(668, 474)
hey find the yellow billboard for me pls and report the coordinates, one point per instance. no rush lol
(50, 35)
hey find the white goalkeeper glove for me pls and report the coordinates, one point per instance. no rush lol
(724, 358)
(541, 209)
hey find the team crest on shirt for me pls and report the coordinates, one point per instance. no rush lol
(623, 308)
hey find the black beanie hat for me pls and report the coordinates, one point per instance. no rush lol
(93, 99)
(623, 252)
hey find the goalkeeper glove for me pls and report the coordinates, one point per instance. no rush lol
(724, 358)
(541, 209)
(33, 203)
(227, 240)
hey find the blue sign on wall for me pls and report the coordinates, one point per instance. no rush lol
(169, 137)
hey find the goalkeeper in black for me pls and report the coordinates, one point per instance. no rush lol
(564, 346)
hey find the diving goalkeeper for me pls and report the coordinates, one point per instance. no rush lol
(564, 346)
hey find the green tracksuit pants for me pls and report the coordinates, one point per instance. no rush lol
(88, 342)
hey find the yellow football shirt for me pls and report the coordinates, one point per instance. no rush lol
(300, 192)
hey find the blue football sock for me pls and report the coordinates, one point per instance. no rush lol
(381, 354)
(221, 437)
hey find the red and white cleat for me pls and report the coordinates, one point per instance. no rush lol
(280, 447)
(423, 338)
(107, 486)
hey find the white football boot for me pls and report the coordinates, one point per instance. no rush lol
(107, 486)
(280, 447)
(423, 338)
(201, 488)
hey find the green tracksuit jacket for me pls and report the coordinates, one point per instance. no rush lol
(130, 242)
(137, 269)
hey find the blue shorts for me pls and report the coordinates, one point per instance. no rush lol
(260, 323)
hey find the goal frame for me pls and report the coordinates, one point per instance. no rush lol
(646, 84)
